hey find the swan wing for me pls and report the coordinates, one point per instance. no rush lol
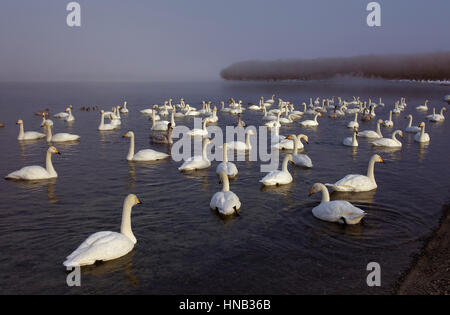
(149, 155)
(276, 177)
(302, 160)
(353, 183)
(333, 211)
(30, 173)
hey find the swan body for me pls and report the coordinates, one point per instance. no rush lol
(124, 108)
(142, 155)
(311, 123)
(422, 136)
(225, 166)
(289, 142)
(389, 123)
(103, 126)
(106, 245)
(29, 135)
(60, 137)
(197, 162)
(300, 159)
(389, 142)
(351, 141)
(370, 134)
(200, 132)
(340, 211)
(423, 107)
(62, 114)
(70, 117)
(239, 145)
(225, 202)
(37, 172)
(279, 177)
(354, 123)
(410, 127)
(358, 183)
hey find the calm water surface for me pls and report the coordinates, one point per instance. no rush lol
(276, 246)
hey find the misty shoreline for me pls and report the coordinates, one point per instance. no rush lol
(427, 67)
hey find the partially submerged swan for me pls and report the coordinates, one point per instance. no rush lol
(279, 177)
(225, 202)
(340, 211)
(37, 172)
(29, 135)
(107, 245)
(359, 183)
(225, 166)
(142, 155)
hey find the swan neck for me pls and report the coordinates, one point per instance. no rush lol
(49, 133)
(49, 164)
(422, 130)
(131, 148)
(224, 153)
(204, 155)
(125, 228)
(284, 167)
(225, 183)
(21, 131)
(325, 194)
(102, 120)
(379, 130)
(410, 121)
(370, 169)
(296, 144)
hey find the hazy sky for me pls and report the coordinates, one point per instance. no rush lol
(153, 40)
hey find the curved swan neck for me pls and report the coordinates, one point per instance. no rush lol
(354, 141)
(247, 139)
(125, 227)
(225, 183)
(49, 164)
(410, 121)
(394, 135)
(284, 167)
(379, 130)
(204, 155)
(390, 115)
(131, 148)
(49, 133)
(225, 155)
(204, 124)
(422, 130)
(102, 120)
(442, 111)
(325, 193)
(370, 169)
(315, 117)
(172, 118)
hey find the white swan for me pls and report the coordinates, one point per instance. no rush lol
(197, 162)
(46, 121)
(389, 142)
(225, 201)
(37, 172)
(142, 155)
(228, 167)
(311, 123)
(29, 135)
(103, 126)
(200, 132)
(423, 107)
(370, 134)
(410, 127)
(279, 177)
(438, 117)
(340, 211)
(300, 159)
(389, 123)
(289, 143)
(162, 125)
(359, 183)
(354, 123)
(422, 136)
(351, 141)
(241, 146)
(107, 245)
(62, 114)
(124, 108)
(70, 117)
(60, 137)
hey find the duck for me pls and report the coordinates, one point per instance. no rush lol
(60, 137)
(29, 135)
(389, 142)
(225, 202)
(279, 177)
(196, 132)
(46, 121)
(37, 172)
(70, 117)
(299, 159)
(103, 126)
(359, 183)
(389, 123)
(351, 141)
(107, 245)
(340, 211)
(423, 107)
(142, 155)
(311, 123)
(438, 117)
(422, 136)
(124, 109)
(197, 162)
(241, 146)
(225, 166)
(410, 127)
(354, 123)
(370, 134)
(289, 143)
(159, 138)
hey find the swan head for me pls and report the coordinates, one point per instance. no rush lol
(53, 150)
(133, 200)
(407, 116)
(377, 158)
(102, 111)
(129, 134)
(315, 188)
(251, 132)
(400, 134)
(19, 122)
(380, 121)
(422, 124)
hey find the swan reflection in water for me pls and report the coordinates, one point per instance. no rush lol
(38, 185)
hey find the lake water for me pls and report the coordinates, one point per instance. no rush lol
(275, 246)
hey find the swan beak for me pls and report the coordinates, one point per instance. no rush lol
(57, 152)
(381, 160)
(289, 137)
(311, 192)
(125, 135)
(307, 141)
(17, 123)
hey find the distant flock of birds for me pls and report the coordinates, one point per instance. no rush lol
(106, 245)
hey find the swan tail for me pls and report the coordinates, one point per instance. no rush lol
(355, 218)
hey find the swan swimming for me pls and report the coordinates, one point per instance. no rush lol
(299, 159)
(410, 127)
(59, 137)
(351, 141)
(29, 135)
(279, 177)
(199, 161)
(142, 155)
(389, 142)
(422, 136)
(37, 172)
(225, 166)
(225, 202)
(107, 245)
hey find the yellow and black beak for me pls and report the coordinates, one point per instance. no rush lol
(125, 135)
(138, 201)
(381, 160)
(311, 192)
(57, 152)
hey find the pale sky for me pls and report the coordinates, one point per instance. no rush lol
(179, 40)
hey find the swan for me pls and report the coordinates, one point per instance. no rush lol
(438, 117)
(279, 177)
(191, 111)
(228, 168)
(107, 245)
(70, 117)
(389, 123)
(225, 202)
(241, 146)
(359, 183)
(103, 126)
(268, 117)
(396, 109)
(340, 211)
(256, 107)
(270, 101)
(389, 142)
(434, 113)
(162, 125)
(354, 123)
(59, 137)
(197, 162)
(410, 127)
(423, 107)
(275, 135)
(224, 109)
(124, 108)
(370, 134)
(37, 172)
(46, 121)
(200, 132)
(213, 117)
(149, 111)
(240, 122)
(300, 159)
(422, 136)
(29, 135)
(62, 114)
(289, 143)
(142, 155)
(274, 123)
(351, 141)
(159, 138)
(116, 119)
(311, 123)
